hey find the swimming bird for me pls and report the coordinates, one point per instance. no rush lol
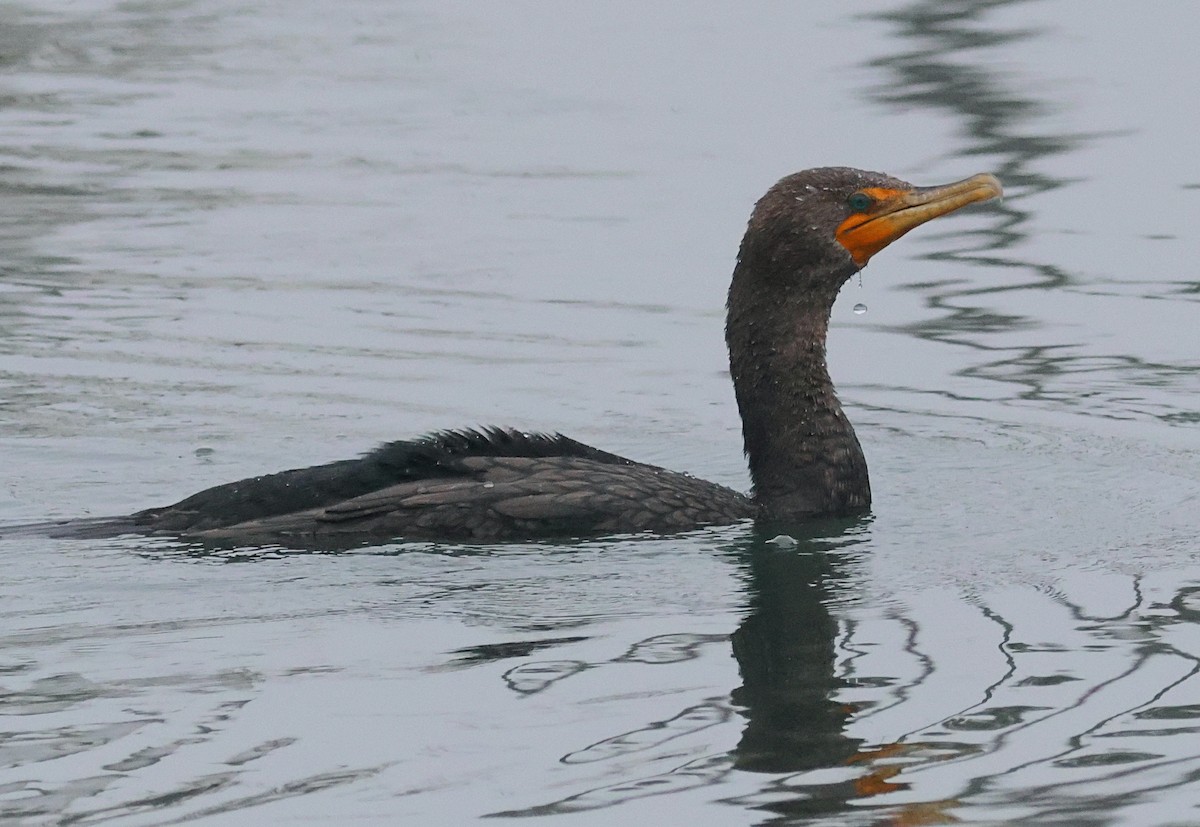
(809, 234)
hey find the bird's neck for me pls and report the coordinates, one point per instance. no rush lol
(805, 460)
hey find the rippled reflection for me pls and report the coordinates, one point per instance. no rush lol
(955, 65)
(1025, 706)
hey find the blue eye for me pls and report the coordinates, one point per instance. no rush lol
(860, 201)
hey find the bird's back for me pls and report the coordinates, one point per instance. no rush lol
(478, 486)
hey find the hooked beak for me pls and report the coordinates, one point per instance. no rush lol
(895, 212)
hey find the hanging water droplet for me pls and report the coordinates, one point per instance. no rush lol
(860, 308)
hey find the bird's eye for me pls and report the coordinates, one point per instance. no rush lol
(859, 202)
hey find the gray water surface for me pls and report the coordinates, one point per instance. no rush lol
(241, 237)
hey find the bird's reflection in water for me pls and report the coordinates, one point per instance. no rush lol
(785, 650)
(785, 654)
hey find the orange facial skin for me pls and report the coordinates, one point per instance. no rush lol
(893, 212)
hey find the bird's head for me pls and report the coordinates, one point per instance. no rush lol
(824, 224)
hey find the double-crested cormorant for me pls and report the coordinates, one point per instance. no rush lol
(810, 233)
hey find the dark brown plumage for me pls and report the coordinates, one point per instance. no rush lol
(455, 485)
(810, 233)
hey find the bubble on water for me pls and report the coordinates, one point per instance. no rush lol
(860, 308)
